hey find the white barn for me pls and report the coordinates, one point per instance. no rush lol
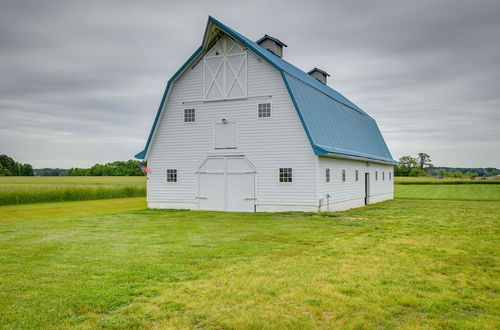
(241, 129)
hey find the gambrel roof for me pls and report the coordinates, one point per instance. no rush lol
(334, 125)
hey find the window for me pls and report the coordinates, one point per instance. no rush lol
(171, 175)
(327, 175)
(189, 116)
(343, 175)
(376, 175)
(390, 175)
(357, 175)
(383, 176)
(264, 110)
(285, 175)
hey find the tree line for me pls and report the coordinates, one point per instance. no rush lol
(422, 166)
(118, 168)
(9, 167)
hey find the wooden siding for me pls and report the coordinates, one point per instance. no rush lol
(351, 189)
(270, 143)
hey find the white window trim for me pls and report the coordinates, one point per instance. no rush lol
(270, 111)
(184, 116)
(176, 176)
(282, 182)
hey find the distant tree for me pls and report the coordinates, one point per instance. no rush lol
(9, 167)
(417, 172)
(406, 163)
(424, 160)
(470, 176)
(458, 174)
(117, 168)
(27, 170)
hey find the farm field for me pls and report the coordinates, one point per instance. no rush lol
(431, 180)
(406, 263)
(449, 192)
(25, 190)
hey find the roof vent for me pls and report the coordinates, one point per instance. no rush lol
(272, 44)
(319, 74)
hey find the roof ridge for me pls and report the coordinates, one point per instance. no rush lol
(299, 73)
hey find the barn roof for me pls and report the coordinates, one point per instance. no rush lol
(334, 125)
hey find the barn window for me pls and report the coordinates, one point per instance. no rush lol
(285, 174)
(327, 175)
(264, 110)
(343, 175)
(225, 67)
(189, 116)
(357, 175)
(376, 175)
(390, 176)
(383, 176)
(171, 175)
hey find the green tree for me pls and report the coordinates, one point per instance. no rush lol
(417, 172)
(458, 174)
(424, 160)
(406, 163)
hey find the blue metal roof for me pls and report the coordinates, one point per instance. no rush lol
(266, 36)
(334, 125)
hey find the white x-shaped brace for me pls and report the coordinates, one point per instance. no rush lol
(217, 71)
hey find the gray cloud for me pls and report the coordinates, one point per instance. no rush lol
(80, 81)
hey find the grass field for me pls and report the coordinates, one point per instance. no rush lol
(412, 264)
(484, 192)
(24, 190)
(446, 181)
(112, 263)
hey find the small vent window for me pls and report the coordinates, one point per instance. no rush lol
(285, 175)
(264, 110)
(327, 175)
(376, 175)
(343, 175)
(390, 176)
(357, 175)
(189, 116)
(383, 176)
(171, 175)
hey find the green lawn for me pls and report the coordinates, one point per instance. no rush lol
(448, 192)
(397, 264)
(39, 211)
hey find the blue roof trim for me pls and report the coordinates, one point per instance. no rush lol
(329, 119)
(142, 154)
(266, 36)
(319, 70)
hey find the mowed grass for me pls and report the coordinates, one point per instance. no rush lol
(484, 192)
(69, 209)
(25, 190)
(432, 180)
(398, 264)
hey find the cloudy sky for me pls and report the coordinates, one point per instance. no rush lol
(80, 81)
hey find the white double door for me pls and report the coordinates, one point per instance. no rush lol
(226, 183)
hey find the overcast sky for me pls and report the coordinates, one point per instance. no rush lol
(80, 81)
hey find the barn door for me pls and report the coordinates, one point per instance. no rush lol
(226, 183)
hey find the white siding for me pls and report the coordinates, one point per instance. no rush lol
(351, 193)
(270, 143)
